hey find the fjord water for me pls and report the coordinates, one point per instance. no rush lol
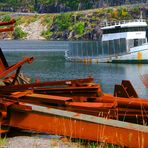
(49, 64)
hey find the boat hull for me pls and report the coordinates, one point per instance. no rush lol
(131, 57)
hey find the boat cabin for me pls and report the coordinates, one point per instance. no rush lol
(119, 38)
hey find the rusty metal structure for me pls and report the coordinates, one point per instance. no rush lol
(74, 108)
(9, 24)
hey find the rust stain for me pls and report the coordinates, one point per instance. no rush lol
(139, 56)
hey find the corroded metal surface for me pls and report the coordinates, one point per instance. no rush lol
(82, 126)
(14, 67)
(11, 22)
(10, 28)
(125, 90)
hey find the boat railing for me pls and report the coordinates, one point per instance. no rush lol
(106, 24)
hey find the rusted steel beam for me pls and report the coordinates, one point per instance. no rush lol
(54, 121)
(50, 83)
(41, 98)
(87, 91)
(5, 29)
(3, 62)
(91, 105)
(136, 103)
(125, 90)
(110, 110)
(11, 22)
(15, 66)
(119, 91)
(129, 89)
(16, 75)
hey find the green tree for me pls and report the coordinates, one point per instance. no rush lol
(64, 21)
(79, 28)
(19, 33)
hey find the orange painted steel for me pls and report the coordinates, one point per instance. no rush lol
(78, 126)
(110, 110)
(41, 98)
(14, 67)
(137, 103)
(50, 83)
(125, 90)
(90, 90)
(11, 22)
(5, 29)
(10, 28)
(3, 62)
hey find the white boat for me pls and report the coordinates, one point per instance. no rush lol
(124, 41)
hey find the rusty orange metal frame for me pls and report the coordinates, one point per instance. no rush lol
(50, 83)
(5, 29)
(11, 22)
(54, 121)
(15, 66)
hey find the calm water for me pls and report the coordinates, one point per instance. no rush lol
(49, 65)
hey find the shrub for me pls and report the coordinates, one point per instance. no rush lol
(19, 33)
(79, 28)
(124, 12)
(136, 10)
(3, 141)
(6, 18)
(47, 34)
(64, 21)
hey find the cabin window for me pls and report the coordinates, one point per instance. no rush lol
(122, 45)
(135, 42)
(117, 46)
(111, 47)
(143, 41)
(129, 29)
(130, 43)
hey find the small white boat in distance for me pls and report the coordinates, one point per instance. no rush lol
(122, 42)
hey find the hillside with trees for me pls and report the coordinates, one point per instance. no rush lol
(77, 25)
(56, 6)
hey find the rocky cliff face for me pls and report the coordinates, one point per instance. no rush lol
(56, 6)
